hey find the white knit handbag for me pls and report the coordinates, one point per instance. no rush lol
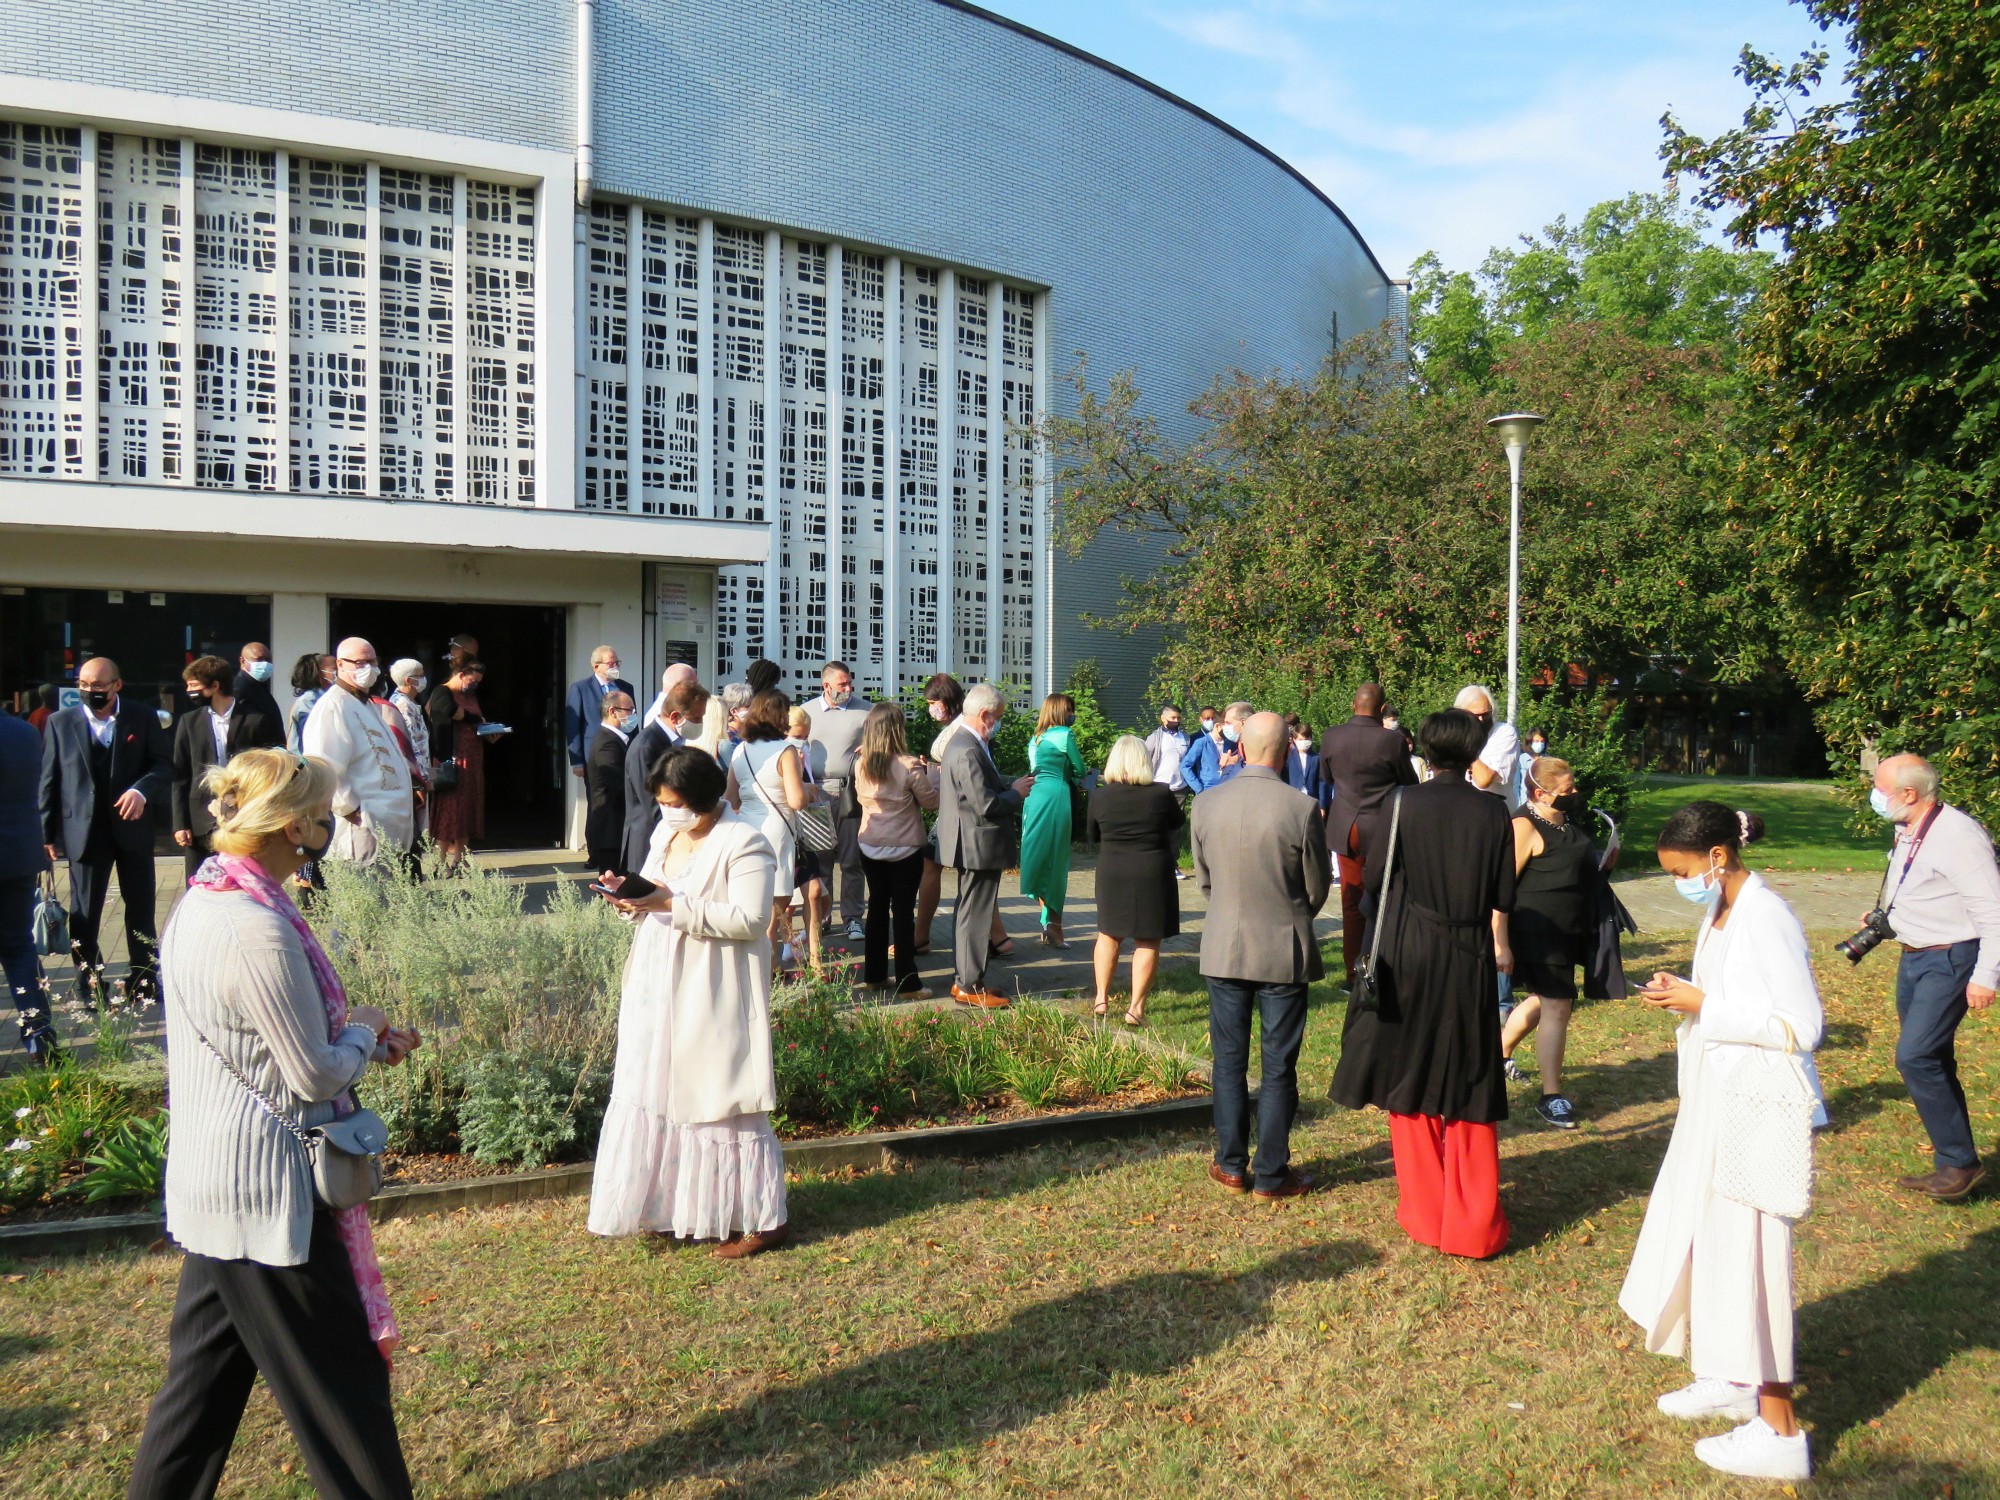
(1764, 1147)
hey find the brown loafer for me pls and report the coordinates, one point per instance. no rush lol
(1296, 1185)
(1946, 1184)
(1233, 1181)
(740, 1246)
(985, 999)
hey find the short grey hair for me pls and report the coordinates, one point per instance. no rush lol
(1129, 764)
(981, 697)
(736, 696)
(1238, 710)
(1912, 773)
(1471, 694)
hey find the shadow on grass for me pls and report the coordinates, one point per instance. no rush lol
(825, 1207)
(19, 1422)
(1863, 1350)
(951, 1392)
(1849, 1106)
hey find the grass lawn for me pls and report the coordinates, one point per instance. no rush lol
(1102, 1321)
(1805, 826)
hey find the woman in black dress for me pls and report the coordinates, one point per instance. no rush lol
(1136, 822)
(1557, 869)
(1429, 1053)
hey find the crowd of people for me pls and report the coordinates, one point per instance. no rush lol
(732, 828)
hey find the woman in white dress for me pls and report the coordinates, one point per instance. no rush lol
(1711, 1277)
(767, 786)
(688, 1149)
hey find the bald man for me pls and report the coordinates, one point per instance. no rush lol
(106, 765)
(373, 802)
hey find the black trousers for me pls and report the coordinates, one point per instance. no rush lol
(90, 888)
(892, 916)
(23, 966)
(604, 857)
(195, 853)
(303, 1328)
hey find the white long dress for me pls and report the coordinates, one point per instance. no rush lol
(762, 787)
(687, 1146)
(1711, 1278)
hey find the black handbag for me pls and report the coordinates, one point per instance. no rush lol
(445, 777)
(1364, 991)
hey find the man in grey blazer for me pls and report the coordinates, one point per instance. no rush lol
(1260, 855)
(977, 809)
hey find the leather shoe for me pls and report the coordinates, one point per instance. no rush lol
(1946, 1184)
(1295, 1185)
(1233, 1181)
(739, 1246)
(983, 998)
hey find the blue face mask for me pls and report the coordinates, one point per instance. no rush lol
(260, 671)
(1697, 889)
(1231, 733)
(1879, 800)
(629, 723)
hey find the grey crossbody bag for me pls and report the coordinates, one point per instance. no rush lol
(345, 1155)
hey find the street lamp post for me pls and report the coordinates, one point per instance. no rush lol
(1513, 430)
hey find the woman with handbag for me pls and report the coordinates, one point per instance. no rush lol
(767, 786)
(262, 1046)
(1711, 1277)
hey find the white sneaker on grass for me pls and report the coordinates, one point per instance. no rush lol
(1709, 1397)
(1756, 1451)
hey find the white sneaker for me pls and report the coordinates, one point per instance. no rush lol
(1709, 1397)
(1755, 1451)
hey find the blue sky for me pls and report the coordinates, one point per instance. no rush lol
(1438, 125)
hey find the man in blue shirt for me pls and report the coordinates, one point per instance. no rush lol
(1214, 759)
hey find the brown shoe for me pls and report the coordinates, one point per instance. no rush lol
(1946, 1184)
(1295, 1185)
(740, 1246)
(985, 999)
(914, 992)
(1233, 1181)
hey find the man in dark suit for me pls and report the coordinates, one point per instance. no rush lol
(1364, 762)
(604, 784)
(680, 714)
(252, 687)
(977, 811)
(212, 735)
(583, 710)
(105, 764)
(23, 861)
(1260, 855)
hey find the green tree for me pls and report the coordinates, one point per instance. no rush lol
(1876, 352)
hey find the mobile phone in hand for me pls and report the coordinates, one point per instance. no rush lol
(629, 888)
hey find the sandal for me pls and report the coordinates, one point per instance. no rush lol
(1002, 949)
(1134, 1016)
(1102, 1007)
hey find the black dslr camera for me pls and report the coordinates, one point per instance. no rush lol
(1875, 930)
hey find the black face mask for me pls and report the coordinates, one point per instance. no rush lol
(1569, 804)
(325, 843)
(97, 697)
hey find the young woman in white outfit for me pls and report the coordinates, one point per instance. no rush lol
(767, 785)
(688, 1150)
(1711, 1277)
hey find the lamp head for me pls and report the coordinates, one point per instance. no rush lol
(1513, 428)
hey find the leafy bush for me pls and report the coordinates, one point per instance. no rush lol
(59, 1116)
(528, 1109)
(1035, 1081)
(1102, 1065)
(1588, 732)
(419, 1101)
(132, 1162)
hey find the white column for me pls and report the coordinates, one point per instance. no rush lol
(461, 374)
(835, 505)
(1044, 554)
(556, 323)
(892, 476)
(298, 625)
(635, 358)
(281, 330)
(704, 368)
(947, 460)
(996, 468)
(86, 304)
(186, 328)
(371, 275)
(774, 401)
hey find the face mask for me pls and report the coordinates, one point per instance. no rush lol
(416, 685)
(1540, 747)
(1173, 728)
(937, 713)
(679, 818)
(195, 692)
(1696, 888)
(630, 722)
(1231, 733)
(1208, 726)
(1391, 723)
(364, 677)
(1884, 808)
(839, 699)
(1569, 804)
(607, 671)
(260, 671)
(325, 843)
(97, 698)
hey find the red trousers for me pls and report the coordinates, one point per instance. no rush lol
(1349, 857)
(1448, 1184)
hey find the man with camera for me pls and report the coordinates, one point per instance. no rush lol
(1941, 901)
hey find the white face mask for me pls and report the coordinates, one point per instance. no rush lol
(679, 818)
(363, 677)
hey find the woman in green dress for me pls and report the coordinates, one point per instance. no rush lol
(1045, 818)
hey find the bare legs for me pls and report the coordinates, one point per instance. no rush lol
(1145, 966)
(814, 894)
(1774, 1405)
(1549, 1019)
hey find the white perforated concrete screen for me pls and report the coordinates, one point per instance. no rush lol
(329, 327)
(841, 396)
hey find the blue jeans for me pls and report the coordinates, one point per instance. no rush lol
(1282, 1008)
(1930, 1001)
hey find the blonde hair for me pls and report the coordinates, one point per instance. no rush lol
(884, 737)
(259, 792)
(1128, 763)
(1547, 770)
(799, 722)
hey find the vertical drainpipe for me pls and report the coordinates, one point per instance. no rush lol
(586, 169)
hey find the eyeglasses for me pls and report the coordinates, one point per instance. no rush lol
(355, 661)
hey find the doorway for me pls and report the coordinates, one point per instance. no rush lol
(523, 648)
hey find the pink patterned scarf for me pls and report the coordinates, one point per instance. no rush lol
(229, 872)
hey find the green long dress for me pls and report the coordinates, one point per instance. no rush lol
(1045, 817)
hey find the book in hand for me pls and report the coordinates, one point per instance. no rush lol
(492, 731)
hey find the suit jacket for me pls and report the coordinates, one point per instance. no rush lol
(257, 697)
(641, 811)
(1202, 768)
(1364, 762)
(141, 761)
(977, 809)
(194, 753)
(1260, 855)
(583, 712)
(604, 791)
(1306, 778)
(21, 851)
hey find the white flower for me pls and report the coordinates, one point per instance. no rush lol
(23, 1112)
(17, 1144)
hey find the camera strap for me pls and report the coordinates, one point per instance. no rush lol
(1909, 859)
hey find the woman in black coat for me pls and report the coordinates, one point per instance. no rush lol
(1137, 823)
(1428, 1053)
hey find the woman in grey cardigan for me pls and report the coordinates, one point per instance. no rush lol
(273, 1281)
